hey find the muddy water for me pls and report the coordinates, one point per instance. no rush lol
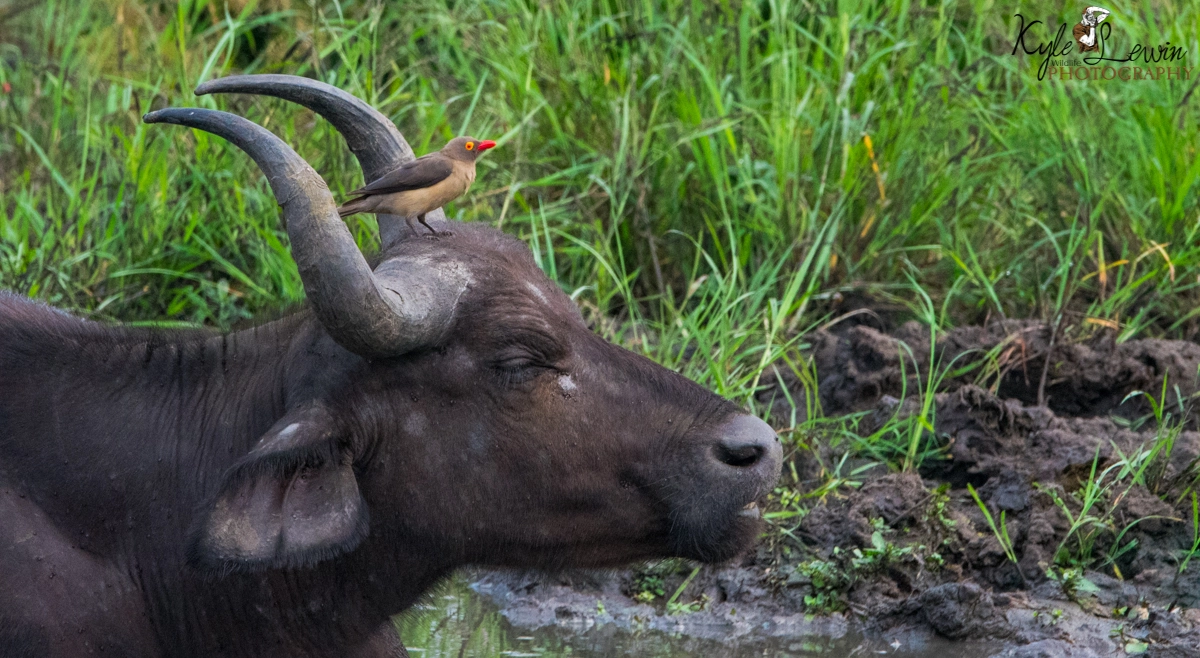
(456, 622)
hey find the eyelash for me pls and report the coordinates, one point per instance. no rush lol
(520, 374)
(518, 370)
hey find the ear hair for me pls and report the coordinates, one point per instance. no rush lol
(292, 501)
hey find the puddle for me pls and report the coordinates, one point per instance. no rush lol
(456, 622)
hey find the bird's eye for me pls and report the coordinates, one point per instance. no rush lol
(470, 145)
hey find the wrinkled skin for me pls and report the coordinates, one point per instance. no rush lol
(269, 493)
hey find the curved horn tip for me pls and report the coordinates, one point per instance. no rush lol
(175, 115)
(205, 87)
(165, 115)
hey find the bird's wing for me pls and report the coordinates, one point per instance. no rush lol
(413, 175)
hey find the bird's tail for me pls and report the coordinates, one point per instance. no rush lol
(352, 207)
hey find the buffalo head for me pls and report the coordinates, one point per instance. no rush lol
(461, 410)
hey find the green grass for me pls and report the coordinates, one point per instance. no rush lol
(999, 530)
(703, 177)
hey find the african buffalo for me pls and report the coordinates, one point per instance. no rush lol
(285, 490)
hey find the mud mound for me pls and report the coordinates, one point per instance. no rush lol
(859, 365)
(919, 552)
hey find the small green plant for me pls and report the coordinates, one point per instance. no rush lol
(1050, 619)
(881, 554)
(1132, 645)
(1090, 510)
(1195, 535)
(999, 530)
(648, 587)
(840, 477)
(1153, 464)
(1074, 584)
(936, 560)
(907, 439)
(1135, 647)
(937, 506)
(925, 420)
(1096, 506)
(678, 608)
(828, 581)
(675, 606)
(894, 442)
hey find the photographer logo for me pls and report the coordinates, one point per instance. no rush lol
(1092, 53)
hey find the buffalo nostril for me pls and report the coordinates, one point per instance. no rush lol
(740, 454)
(746, 441)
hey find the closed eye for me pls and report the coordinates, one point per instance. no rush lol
(519, 370)
(522, 353)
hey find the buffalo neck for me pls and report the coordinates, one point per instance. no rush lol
(138, 419)
(144, 424)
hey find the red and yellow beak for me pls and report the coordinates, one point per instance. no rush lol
(486, 144)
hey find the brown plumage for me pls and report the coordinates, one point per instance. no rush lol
(417, 187)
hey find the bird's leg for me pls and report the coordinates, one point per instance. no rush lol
(421, 218)
(411, 226)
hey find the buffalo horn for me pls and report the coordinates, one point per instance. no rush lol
(372, 137)
(388, 313)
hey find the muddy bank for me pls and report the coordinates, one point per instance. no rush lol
(588, 604)
(1088, 487)
(954, 620)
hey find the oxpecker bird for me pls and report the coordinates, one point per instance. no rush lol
(417, 187)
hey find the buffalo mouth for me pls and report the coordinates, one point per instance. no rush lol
(714, 513)
(723, 537)
(716, 523)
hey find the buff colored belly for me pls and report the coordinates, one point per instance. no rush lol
(418, 202)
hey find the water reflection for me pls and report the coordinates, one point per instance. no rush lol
(457, 623)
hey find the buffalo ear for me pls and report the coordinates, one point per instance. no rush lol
(292, 501)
